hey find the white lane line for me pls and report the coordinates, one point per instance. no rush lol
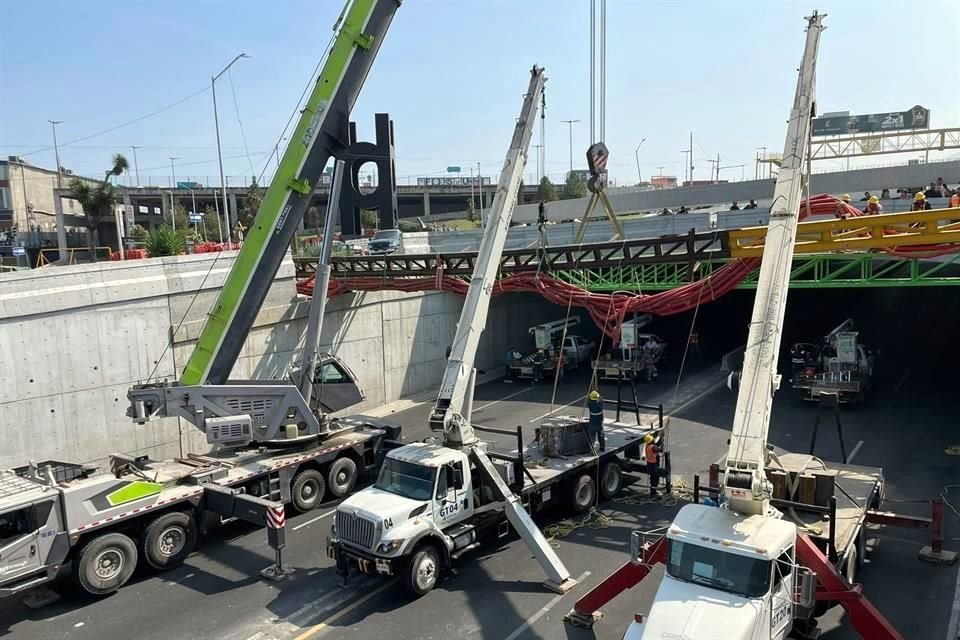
(311, 521)
(539, 614)
(557, 409)
(697, 398)
(512, 395)
(326, 601)
(953, 632)
(856, 448)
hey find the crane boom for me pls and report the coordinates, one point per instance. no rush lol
(451, 412)
(317, 137)
(746, 487)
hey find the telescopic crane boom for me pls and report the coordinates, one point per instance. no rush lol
(746, 488)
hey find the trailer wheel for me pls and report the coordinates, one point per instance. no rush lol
(850, 570)
(422, 571)
(168, 540)
(307, 490)
(105, 563)
(583, 493)
(611, 480)
(342, 476)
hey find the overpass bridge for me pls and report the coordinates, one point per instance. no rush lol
(675, 273)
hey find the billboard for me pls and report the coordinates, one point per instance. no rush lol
(450, 181)
(835, 124)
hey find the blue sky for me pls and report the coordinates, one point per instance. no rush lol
(451, 74)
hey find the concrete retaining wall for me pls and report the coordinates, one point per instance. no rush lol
(72, 341)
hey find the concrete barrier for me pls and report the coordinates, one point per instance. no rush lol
(73, 340)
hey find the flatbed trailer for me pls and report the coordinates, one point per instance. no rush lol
(829, 504)
(608, 370)
(60, 517)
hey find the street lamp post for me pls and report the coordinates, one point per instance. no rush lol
(56, 149)
(136, 167)
(480, 184)
(636, 153)
(570, 123)
(216, 122)
(173, 201)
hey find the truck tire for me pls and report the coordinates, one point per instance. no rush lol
(422, 570)
(342, 476)
(168, 540)
(307, 489)
(105, 563)
(611, 480)
(850, 569)
(583, 493)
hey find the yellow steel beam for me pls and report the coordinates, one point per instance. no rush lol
(940, 226)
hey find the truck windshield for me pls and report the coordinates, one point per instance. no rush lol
(387, 234)
(406, 479)
(717, 569)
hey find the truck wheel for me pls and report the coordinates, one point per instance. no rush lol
(168, 540)
(307, 490)
(611, 480)
(105, 563)
(342, 476)
(850, 570)
(422, 571)
(583, 493)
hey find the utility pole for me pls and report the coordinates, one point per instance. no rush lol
(56, 149)
(691, 157)
(173, 200)
(480, 183)
(686, 165)
(570, 124)
(216, 123)
(636, 153)
(136, 167)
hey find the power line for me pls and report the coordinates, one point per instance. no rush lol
(125, 124)
(236, 107)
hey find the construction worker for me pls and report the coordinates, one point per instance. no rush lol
(873, 206)
(652, 451)
(509, 362)
(796, 360)
(595, 426)
(695, 343)
(920, 202)
(538, 359)
(955, 199)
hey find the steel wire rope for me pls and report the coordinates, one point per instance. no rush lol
(236, 108)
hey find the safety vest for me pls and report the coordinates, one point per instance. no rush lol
(596, 411)
(652, 456)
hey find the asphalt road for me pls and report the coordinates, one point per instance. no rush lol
(496, 592)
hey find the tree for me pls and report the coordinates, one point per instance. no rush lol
(369, 219)
(212, 225)
(179, 216)
(575, 187)
(164, 241)
(546, 191)
(97, 201)
(251, 204)
(471, 211)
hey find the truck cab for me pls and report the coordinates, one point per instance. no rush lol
(30, 529)
(727, 576)
(385, 241)
(411, 521)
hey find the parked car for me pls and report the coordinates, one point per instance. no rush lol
(578, 350)
(386, 241)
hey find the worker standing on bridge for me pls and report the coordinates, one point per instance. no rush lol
(920, 202)
(595, 427)
(538, 358)
(652, 453)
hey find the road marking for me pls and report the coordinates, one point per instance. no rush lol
(557, 409)
(179, 580)
(856, 448)
(539, 614)
(337, 596)
(952, 628)
(512, 395)
(696, 398)
(339, 614)
(310, 522)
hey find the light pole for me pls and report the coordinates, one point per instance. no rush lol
(570, 123)
(173, 200)
(480, 183)
(56, 149)
(193, 197)
(216, 122)
(636, 153)
(136, 167)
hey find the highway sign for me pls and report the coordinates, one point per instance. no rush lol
(19, 251)
(453, 169)
(196, 217)
(843, 123)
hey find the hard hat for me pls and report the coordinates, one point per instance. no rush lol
(874, 199)
(539, 350)
(919, 196)
(594, 395)
(846, 197)
(647, 439)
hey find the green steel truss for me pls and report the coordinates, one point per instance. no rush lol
(815, 271)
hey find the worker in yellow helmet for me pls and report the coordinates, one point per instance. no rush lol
(842, 210)
(920, 202)
(845, 197)
(538, 359)
(595, 425)
(873, 206)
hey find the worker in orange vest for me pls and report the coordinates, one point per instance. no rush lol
(652, 453)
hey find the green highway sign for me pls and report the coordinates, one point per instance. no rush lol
(841, 123)
(453, 169)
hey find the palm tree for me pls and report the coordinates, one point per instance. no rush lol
(97, 200)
